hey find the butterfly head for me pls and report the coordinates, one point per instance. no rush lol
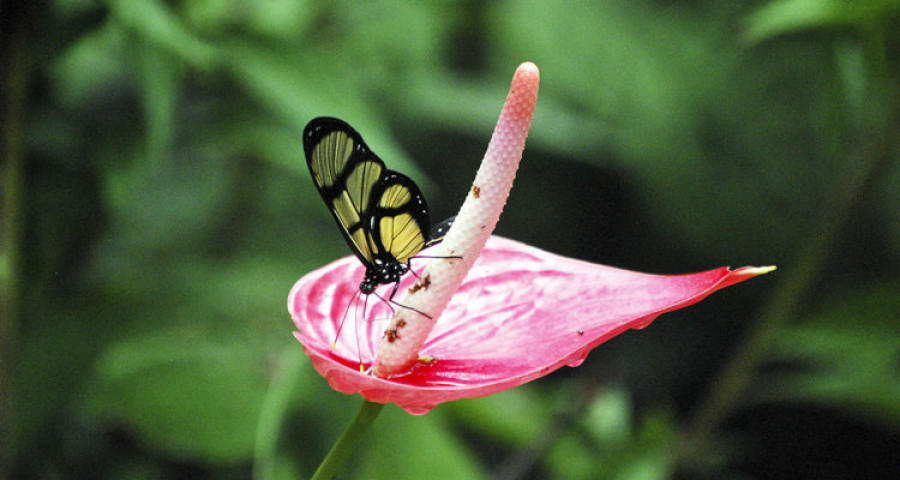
(367, 286)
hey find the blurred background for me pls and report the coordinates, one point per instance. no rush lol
(156, 210)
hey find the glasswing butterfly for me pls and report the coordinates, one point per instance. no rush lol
(381, 213)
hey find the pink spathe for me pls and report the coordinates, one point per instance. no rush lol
(521, 313)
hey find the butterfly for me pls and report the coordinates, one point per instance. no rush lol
(381, 213)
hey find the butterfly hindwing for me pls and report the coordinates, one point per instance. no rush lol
(400, 216)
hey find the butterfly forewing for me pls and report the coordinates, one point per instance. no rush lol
(345, 173)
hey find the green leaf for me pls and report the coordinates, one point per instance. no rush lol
(609, 443)
(790, 16)
(187, 396)
(155, 23)
(399, 442)
(275, 19)
(572, 459)
(515, 427)
(91, 67)
(297, 87)
(159, 80)
(843, 356)
(608, 418)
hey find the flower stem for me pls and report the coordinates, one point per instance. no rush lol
(14, 54)
(272, 413)
(739, 373)
(349, 440)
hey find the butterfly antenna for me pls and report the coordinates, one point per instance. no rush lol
(386, 302)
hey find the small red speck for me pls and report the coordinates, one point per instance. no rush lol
(580, 333)
(421, 284)
(391, 335)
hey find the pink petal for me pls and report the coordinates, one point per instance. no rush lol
(520, 314)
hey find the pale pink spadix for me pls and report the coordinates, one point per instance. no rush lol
(404, 337)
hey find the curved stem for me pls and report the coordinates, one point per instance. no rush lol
(737, 375)
(13, 85)
(272, 413)
(867, 164)
(349, 440)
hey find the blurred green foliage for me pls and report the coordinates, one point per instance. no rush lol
(167, 212)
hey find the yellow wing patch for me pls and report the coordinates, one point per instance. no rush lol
(402, 236)
(329, 157)
(330, 161)
(361, 181)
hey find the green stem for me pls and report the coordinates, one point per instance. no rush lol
(14, 47)
(349, 440)
(872, 157)
(738, 374)
(272, 413)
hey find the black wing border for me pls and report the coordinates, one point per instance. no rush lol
(370, 215)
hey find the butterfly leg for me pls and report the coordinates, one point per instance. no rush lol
(437, 256)
(408, 269)
(390, 300)
(413, 272)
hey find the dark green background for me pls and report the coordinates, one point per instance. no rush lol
(157, 210)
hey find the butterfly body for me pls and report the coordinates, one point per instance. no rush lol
(381, 213)
(381, 271)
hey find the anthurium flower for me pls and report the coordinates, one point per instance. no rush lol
(500, 313)
(520, 314)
